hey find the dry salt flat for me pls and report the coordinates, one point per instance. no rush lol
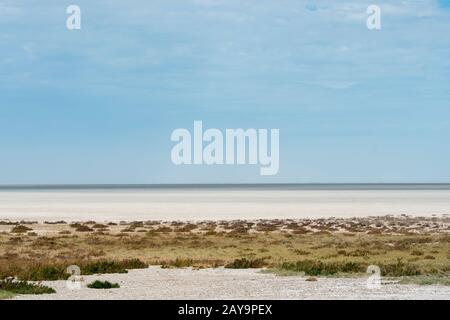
(212, 204)
(220, 283)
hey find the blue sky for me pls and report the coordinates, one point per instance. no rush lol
(98, 105)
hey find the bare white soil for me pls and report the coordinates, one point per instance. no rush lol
(116, 205)
(220, 283)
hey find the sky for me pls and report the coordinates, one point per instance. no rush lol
(98, 105)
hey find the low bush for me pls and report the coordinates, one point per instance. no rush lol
(29, 270)
(99, 226)
(178, 263)
(399, 269)
(316, 267)
(84, 228)
(103, 285)
(417, 253)
(244, 263)
(20, 229)
(106, 266)
(23, 287)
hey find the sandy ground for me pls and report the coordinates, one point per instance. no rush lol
(220, 283)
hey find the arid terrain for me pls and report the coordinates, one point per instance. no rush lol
(241, 284)
(413, 250)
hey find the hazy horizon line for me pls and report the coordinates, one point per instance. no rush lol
(308, 185)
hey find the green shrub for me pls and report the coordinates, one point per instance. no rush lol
(399, 269)
(103, 285)
(105, 266)
(48, 272)
(23, 287)
(316, 267)
(244, 263)
(29, 270)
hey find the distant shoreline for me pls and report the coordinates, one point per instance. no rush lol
(244, 186)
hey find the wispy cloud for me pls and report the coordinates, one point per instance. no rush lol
(311, 68)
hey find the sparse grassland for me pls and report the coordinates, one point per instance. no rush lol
(5, 295)
(426, 280)
(32, 270)
(401, 246)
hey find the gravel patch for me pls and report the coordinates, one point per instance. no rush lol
(220, 283)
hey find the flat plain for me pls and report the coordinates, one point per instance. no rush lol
(408, 250)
